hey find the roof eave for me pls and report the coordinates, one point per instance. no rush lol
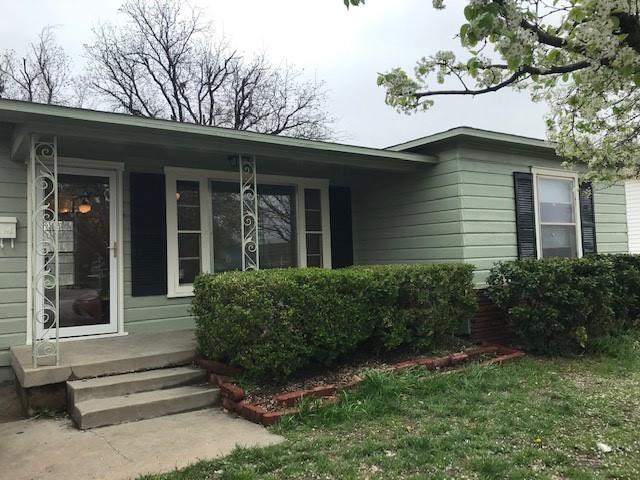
(476, 134)
(52, 119)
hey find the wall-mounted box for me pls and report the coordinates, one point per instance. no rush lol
(8, 230)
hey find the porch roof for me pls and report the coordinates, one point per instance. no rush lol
(83, 124)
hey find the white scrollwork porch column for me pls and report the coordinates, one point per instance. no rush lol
(249, 212)
(43, 169)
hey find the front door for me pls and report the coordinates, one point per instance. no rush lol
(87, 263)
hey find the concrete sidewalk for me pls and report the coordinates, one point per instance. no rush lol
(46, 449)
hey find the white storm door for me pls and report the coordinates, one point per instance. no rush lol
(88, 267)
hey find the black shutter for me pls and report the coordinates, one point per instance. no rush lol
(525, 215)
(148, 235)
(588, 220)
(341, 232)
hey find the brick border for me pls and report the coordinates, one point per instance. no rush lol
(233, 395)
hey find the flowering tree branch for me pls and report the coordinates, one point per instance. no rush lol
(581, 56)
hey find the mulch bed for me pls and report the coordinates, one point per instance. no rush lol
(267, 404)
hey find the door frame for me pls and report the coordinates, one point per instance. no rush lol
(113, 170)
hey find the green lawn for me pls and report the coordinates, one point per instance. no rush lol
(532, 419)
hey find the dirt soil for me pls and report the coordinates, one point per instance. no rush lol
(10, 409)
(343, 374)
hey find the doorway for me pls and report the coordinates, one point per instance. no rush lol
(87, 252)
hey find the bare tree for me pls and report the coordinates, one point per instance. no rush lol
(274, 100)
(164, 63)
(42, 75)
(5, 80)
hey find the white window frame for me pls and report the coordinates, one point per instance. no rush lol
(175, 174)
(561, 174)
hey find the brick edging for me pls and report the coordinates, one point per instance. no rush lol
(233, 395)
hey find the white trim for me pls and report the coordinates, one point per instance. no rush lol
(326, 228)
(173, 174)
(118, 168)
(325, 218)
(632, 200)
(174, 289)
(564, 174)
(29, 315)
(301, 226)
(97, 335)
(120, 247)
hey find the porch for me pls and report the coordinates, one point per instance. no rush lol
(97, 357)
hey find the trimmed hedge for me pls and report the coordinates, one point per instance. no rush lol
(274, 323)
(561, 305)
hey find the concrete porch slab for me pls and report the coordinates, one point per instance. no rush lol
(94, 357)
(49, 449)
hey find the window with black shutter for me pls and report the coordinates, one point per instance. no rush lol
(554, 216)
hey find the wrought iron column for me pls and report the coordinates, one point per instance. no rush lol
(249, 212)
(43, 167)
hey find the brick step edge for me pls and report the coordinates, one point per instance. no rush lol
(256, 413)
(233, 395)
(499, 360)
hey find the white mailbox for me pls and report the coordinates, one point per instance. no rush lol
(8, 230)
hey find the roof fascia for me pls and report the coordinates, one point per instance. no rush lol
(478, 134)
(59, 120)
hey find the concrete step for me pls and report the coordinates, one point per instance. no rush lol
(117, 385)
(99, 412)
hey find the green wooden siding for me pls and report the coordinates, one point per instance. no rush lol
(488, 215)
(409, 218)
(13, 261)
(462, 209)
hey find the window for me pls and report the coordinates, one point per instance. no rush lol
(204, 231)
(313, 223)
(227, 237)
(276, 227)
(189, 231)
(557, 214)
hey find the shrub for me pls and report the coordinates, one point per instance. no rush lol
(559, 305)
(627, 285)
(274, 323)
(418, 304)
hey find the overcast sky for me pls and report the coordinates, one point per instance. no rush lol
(345, 48)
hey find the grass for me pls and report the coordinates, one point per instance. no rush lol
(532, 419)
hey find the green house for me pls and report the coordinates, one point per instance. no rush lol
(106, 219)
